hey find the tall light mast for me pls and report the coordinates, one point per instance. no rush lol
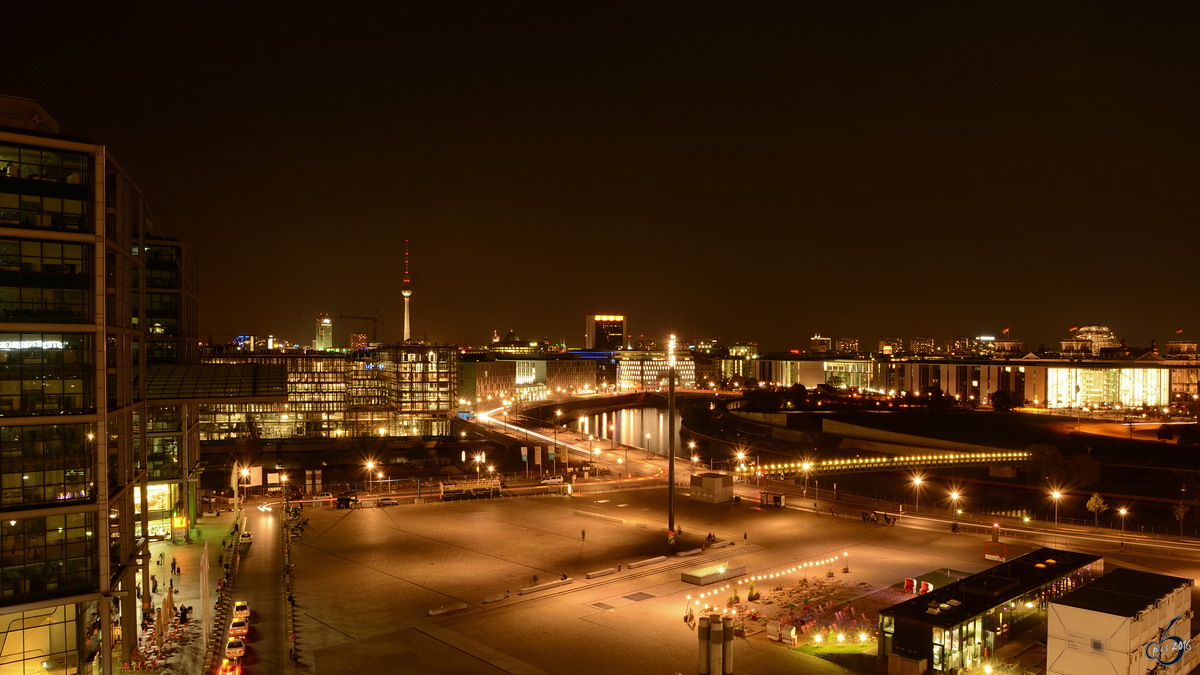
(406, 291)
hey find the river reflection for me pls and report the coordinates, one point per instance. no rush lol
(638, 427)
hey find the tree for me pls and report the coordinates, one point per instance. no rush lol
(796, 395)
(1097, 506)
(1180, 510)
(1045, 464)
(1084, 470)
(1001, 401)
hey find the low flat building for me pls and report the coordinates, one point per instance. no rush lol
(960, 624)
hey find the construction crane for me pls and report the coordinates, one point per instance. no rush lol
(374, 319)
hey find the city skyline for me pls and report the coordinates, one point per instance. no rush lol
(766, 177)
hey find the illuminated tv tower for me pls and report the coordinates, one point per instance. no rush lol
(406, 290)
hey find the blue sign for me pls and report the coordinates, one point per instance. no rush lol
(1170, 649)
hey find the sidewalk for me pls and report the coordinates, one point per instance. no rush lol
(187, 654)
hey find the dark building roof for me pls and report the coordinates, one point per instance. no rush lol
(978, 593)
(217, 381)
(1123, 592)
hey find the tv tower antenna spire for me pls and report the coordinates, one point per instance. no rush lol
(406, 291)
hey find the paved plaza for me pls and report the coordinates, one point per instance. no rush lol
(367, 580)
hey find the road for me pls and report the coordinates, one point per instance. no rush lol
(259, 582)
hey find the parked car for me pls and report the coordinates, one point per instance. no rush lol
(552, 480)
(346, 502)
(241, 609)
(239, 626)
(247, 538)
(235, 648)
(325, 495)
(386, 501)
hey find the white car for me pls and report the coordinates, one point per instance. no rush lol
(552, 480)
(386, 501)
(325, 495)
(241, 609)
(235, 648)
(239, 627)
(247, 538)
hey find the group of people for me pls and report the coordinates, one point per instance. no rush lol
(869, 517)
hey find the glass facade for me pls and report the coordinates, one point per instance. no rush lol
(39, 641)
(51, 555)
(45, 464)
(45, 281)
(46, 373)
(45, 189)
(1075, 387)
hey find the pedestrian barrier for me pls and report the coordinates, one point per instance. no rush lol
(602, 573)
(648, 561)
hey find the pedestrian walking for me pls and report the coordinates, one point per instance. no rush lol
(745, 537)
(153, 584)
(583, 535)
(222, 543)
(173, 563)
(831, 511)
(220, 560)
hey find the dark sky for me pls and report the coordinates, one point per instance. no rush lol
(745, 171)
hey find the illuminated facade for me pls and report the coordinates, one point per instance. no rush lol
(324, 339)
(922, 345)
(90, 294)
(605, 332)
(891, 345)
(648, 371)
(405, 390)
(846, 345)
(820, 345)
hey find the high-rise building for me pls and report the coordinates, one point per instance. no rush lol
(846, 345)
(406, 291)
(922, 345)
(605, 332)
(359, 341)
(90, 294)
(324, 340)
(891, 345)
(819, 345)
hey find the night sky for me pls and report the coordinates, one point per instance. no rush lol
(749, 172)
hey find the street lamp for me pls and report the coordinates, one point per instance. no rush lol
(370, 469)
(1123, 512)
(807, 467)
(1056, 495)
(557, 415)
(917, 494)
(647, 446)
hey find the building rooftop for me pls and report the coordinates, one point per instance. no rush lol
(963, 599)
(1123, 592)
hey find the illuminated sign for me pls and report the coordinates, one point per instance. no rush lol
(1170, 649)
(30, 344)
(179, 522)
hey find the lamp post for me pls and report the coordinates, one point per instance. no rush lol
(647, 446)
(1056, 495)
(557, 415)
(370, 470)
(1122, 512)
(917, 494)
(807, 467)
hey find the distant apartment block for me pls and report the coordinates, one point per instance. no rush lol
(604, 332)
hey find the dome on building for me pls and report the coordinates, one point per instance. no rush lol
(511, 336)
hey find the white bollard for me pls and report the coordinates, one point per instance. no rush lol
(702, 635)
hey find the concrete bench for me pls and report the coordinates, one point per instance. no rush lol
(602, 573)
(546, 586)
(648, 561)
(447, 608)
(693, 551)
(722, 544)
(494, 598)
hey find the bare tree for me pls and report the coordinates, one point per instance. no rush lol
(1180, 510)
